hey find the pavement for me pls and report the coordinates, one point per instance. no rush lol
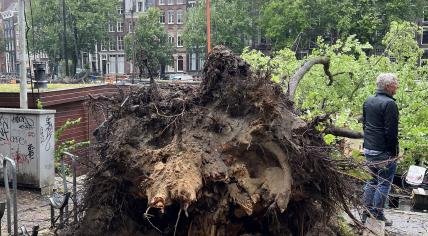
(405, 221)
(34, 209)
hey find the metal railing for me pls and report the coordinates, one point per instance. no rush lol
(60, 201)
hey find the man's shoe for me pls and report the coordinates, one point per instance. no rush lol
(387, 222)
(364, 216)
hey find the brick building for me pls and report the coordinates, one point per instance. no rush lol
(109, 57)
(10, 58)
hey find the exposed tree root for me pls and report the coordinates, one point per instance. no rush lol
(230, 158)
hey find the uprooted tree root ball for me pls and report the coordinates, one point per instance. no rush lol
(228, 157)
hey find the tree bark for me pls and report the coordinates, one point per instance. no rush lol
(343, 132)
(295, 79)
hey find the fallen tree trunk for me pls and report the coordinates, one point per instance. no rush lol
(228, 158)
(344, 132)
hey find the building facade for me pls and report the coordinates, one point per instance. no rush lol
(10, 31)
(109, 57)
(423, 38)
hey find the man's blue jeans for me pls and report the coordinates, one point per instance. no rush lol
(377, 188)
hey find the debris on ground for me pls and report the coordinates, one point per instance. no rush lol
(227, 158)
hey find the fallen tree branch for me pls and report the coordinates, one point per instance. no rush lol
(344, 132)
(295, 79)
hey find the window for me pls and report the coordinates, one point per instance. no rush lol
(192, 62)
(425, 55)
(162, 17)
(180, 1)
(424, 58)
(146, 5)
(179, 41)
(110, 27)
(119, 9)
(179, 17)
(379, 51)
(170, 17)
(140, 6)
(171, 39)
(112, 64)
(103, 46)
(192, 3)
(120, 43)
(130, 27)
(119, 25)
(201, 60)
(112, 44)
(170, 2)
(162, 2)
(425, 35)
(121, 64)
(180, 63)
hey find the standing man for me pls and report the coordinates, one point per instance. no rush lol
(380, 123)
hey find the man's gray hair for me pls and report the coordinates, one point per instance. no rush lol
(385, 79)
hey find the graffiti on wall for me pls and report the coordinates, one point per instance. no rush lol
(46, 133)
(17, 137)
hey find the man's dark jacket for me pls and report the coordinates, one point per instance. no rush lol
(380, 120)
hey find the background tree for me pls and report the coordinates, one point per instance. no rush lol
(233, 23)
(340, 89)
(152, 48)
(87, 24)
(294, 22)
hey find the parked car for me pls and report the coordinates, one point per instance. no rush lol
(180, 77)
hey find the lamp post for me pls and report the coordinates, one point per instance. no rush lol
(133, 41)
(23, 48)
(208, 26)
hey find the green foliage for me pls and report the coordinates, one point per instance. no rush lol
(354, 80)
(152, 48)
(400, 43)
(300, 21)
(87, 24)
(39, 104)
(233, 23)
(68, 145)
(329, 138)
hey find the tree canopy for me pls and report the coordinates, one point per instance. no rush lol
(152, 48)
(352, 79)
(233, 24)
(297, 22)
(87, 23)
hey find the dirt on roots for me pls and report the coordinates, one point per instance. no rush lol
(228, 157)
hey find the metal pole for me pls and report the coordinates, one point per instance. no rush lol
(74, 164)
(74, 172)
(64, 38)
(133, 42)
(208, 26)
(8, 198)
(23, 48)
(64, 182)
